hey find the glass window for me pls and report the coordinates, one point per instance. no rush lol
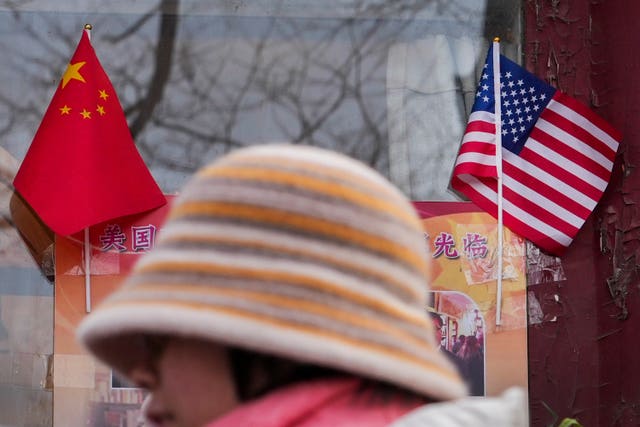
(388, 82)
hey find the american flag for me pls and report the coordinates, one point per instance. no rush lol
(557, 156)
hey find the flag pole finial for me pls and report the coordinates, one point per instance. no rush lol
(88, 27)
(496, 39)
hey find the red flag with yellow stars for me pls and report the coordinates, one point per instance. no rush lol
(82, 167)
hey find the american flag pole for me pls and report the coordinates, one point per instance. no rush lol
(87, 242)
(498, 142)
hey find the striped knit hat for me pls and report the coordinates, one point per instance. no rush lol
(292, 251)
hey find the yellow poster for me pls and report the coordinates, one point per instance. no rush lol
(489, 349)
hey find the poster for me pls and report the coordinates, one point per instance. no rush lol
(86, 392)
(460, 243)
(462, 247)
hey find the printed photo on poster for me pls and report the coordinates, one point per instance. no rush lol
(459, 328)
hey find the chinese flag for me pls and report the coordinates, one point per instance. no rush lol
(82, 167)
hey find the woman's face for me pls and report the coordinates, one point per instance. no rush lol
(191, 384)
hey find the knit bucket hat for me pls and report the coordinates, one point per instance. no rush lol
(292, 251)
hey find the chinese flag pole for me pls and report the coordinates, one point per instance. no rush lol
(87, 270)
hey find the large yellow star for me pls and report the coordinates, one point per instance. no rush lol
(73, 72)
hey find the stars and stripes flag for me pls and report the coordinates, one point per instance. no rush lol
(557, 156)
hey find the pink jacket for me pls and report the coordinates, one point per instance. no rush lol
(321, 403)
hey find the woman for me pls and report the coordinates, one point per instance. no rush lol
(286, 289)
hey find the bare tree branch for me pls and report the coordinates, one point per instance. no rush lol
(163, 61)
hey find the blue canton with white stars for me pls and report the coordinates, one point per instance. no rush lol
(523, 98)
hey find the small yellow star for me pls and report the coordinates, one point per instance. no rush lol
(85, 114)
(103, 94)
(73, 73)
(100, 110)
(65, 110)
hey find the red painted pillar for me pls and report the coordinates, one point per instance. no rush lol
(583, 356)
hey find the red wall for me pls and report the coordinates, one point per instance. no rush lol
(584, 364)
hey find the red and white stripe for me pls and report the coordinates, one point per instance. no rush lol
(551, 187)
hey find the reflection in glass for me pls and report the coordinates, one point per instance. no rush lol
(389, 83)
